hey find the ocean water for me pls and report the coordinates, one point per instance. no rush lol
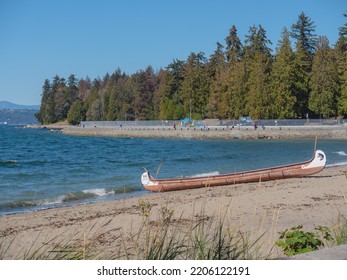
(40, 169)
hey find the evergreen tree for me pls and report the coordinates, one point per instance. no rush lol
(127, 90)
(146, 85)
(46, 112)
(282, 79)
(76, 113)
(171, 100)
(301, 88)
(257, 42)
(303, 31)
(216, 68)
(91, 103)
(324, 80)
(96, 110)
(111, 102)
(341, 55)
(69, 95)
(72, 89)
(158, 93)
(258, 61)
(343, 29)
(195, 88)
(234, 98)
(217, 63)
(84, 86)
(115, 97)
(105, 104)
(234, 50)
(61, 103)
(342, 102)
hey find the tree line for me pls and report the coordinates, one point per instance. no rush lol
(238, 79)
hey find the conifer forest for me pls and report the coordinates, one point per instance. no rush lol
(304, 75)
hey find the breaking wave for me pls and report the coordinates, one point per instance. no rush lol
(83, 196)
(8, 163)
(337, 164)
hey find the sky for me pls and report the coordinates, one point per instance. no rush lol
(43, 38)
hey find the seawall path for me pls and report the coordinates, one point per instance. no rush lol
(215, 132)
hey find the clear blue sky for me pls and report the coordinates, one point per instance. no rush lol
(42, 38)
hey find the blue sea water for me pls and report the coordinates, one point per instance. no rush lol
(40, 169)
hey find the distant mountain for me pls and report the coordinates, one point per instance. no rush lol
(18, 116)
(11, 106)
(15, 114)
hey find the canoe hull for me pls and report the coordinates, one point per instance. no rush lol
(313, 166)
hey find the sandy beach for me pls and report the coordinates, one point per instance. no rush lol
(116, 229)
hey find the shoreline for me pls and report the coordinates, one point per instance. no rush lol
(256, 208)
(215, 132)
(120, 196)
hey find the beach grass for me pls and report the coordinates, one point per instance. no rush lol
(157, 238)
(339, 232)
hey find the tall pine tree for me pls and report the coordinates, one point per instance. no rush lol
(195, 87)
(303, 31)
(324, 80)
(283, 80)
(341, 55)
(146, 85)
(343, 29)
(258, 61)
(171, 103)
(216, 68)
(46, 112)
(234, 48)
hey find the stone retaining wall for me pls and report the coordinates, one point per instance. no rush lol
(217, 132)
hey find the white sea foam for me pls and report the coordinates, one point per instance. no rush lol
(340, 153)
(51, 201)
(98, 192)
(337, 164)
(213, 173)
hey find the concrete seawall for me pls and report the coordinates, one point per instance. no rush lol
(333, 253)
(218, 132)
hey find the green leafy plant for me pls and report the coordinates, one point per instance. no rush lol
(295, 241)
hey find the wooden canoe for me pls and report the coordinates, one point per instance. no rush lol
(315, 165)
